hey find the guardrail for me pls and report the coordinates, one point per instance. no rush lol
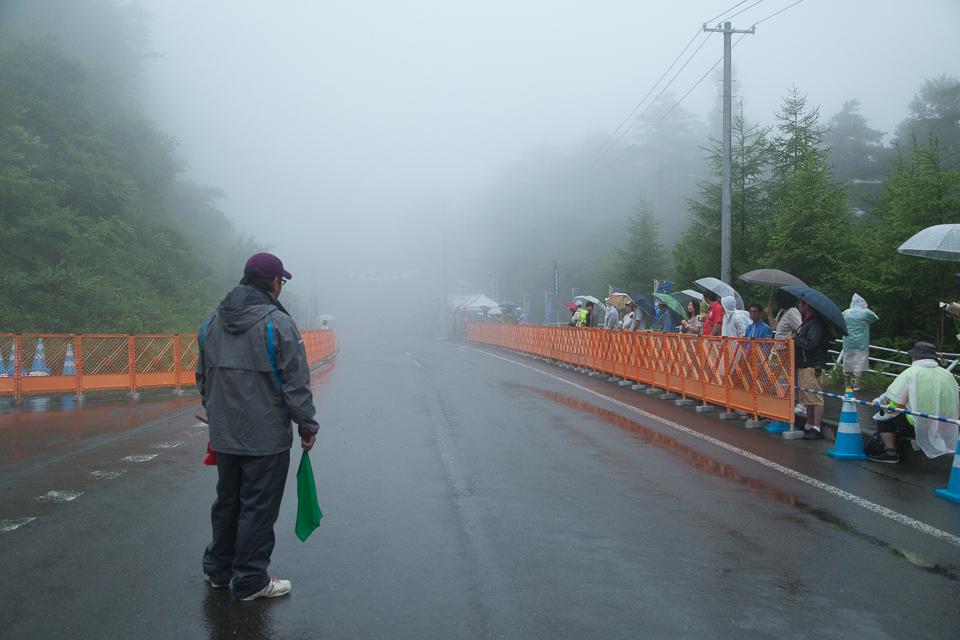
(45, 363)
(755, 376)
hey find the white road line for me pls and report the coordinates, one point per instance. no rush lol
(60, 496)
(166, 445)
(836, 491)
(107, 475)
(6, 526)
(141, 458)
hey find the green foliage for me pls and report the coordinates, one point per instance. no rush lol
(857, 155)
(92, 213)
(922, 189)
(640, 259)
(697, 253)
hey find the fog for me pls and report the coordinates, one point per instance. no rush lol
(373, 138)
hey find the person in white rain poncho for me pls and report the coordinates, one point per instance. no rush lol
(856, 343)
(735, 321)
(925, 387)
(612, 318)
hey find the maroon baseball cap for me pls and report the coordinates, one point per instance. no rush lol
(265, 265)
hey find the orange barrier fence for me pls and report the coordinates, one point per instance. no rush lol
(44, 363)
(755, 376)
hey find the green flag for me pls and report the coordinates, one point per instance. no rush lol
(308, 509)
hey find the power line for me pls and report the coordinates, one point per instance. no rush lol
(653, 102)
(630, 115)
(587, 164)
(663, 117)
(727, 11)
(777, 13)
(742, 10)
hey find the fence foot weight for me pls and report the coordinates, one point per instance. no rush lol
(596, 374)
(625, 383)
(796, 434)
(706, 408)
(133, 396)
(730, 416)
(753, 424)
(653, 391)
(638, 387)
(615, 379)
(179, 392)
(685, 402)
(76, 399)
(668, 396)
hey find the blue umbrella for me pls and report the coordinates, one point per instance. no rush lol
(828, 311)
(643, 303)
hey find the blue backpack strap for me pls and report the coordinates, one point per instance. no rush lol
(203, 330)
(272, 354)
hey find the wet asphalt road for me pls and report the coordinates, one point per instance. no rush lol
(470, 493)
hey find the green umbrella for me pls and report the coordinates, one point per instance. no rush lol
(308, 509)
(672, 303)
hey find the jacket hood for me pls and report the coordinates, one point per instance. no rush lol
(244, 307)
(857, 302)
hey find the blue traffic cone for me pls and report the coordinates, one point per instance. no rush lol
(777, 426)
(39, 366)
(849, 445)
(952, 492)
(69, 365)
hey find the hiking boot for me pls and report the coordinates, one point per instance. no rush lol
(812, 434)
(213, 584)
(886, 456)
(273, 589)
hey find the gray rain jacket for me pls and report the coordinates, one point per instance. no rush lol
(250, 401)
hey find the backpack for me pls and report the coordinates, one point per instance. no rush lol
(874, 445)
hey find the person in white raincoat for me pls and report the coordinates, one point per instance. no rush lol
(925, 387)
(735, 321)
(856, 343)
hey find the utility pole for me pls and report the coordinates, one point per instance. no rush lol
(725, 249)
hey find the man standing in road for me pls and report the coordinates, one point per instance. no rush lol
(254, 379)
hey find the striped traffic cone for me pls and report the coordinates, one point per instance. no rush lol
(39, 366)
(952, 492)
(849, 444)
(69, 365)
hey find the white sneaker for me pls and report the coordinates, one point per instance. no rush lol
(273, 589)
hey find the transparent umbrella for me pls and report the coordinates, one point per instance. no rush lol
(720, 288)
(940, 242)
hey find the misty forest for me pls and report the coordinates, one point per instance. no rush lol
(104, 233)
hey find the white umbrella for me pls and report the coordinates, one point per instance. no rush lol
(720, 288)
(587, 299)
(940, 242)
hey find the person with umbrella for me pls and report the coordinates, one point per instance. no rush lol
(612, 318)
(810, 348)
(628, 322)
(713, 324)
(667, 322)
(856, 343)
(693, 323)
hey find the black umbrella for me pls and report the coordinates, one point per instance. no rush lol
(643, 303)
(828, 311)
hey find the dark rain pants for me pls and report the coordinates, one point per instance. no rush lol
(249, 492)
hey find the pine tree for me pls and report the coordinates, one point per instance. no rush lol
(810, 231)
(641, 259)
(698, 252)
(922, 189)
